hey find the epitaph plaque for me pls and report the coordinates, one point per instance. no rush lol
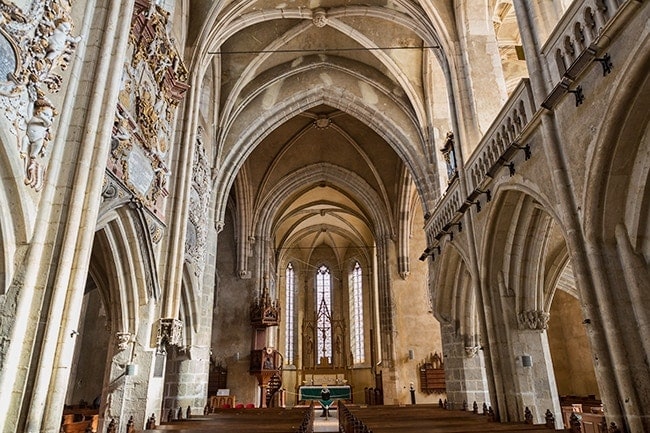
(141, 173)
(7, 58)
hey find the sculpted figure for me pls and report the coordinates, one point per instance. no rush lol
(37, 133)
(121, 136)
(60, 43)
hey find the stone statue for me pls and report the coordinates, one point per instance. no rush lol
(34, 143)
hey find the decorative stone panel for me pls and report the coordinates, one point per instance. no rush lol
(153, 83)
(34, 45)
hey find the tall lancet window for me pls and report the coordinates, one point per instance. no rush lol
(324, 317)
(356, 314)
(289, 316)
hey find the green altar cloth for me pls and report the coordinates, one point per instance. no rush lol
(337, 392)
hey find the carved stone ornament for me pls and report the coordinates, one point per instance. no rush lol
(170, 333)
(322, 122)
(471, 351)
(34, 45)
(114, 193)
(123, 339)
(197, 227)
(319, 18)
(533, 319)
(153, 83)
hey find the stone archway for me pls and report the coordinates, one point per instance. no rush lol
(116, 356)
(456, 305)
(522, 242)
(568, 342)
(617, 205)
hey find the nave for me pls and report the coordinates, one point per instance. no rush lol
(425, 418)
(449, 198)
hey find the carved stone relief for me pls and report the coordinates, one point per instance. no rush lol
(533, 319)
(170, 333)
(34, 46)
(153, 83)
(122, 340)
(197, 227)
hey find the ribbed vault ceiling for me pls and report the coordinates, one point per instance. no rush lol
(356, 70)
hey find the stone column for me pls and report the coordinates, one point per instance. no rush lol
(186, 382)
(188, 369)
(63, 236)
(465, 376)
(480, 72)
(127, 381)
(595, 296)
(533, 370)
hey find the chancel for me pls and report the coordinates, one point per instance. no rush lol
(213, 210)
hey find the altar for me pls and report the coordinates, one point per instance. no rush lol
(313, 392)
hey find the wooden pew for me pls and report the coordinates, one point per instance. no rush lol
(425, 419)
(80, 418)
(588, 412)
(262, 420)
(378, 419)
(79, 423)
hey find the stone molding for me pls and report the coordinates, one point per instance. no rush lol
(471, 351)
(197, 227)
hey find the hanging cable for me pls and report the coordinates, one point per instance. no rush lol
(322, 50)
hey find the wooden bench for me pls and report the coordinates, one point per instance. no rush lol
(589, 414)
(378, 419)
(266, 420)
(425, 419)
(73, 422)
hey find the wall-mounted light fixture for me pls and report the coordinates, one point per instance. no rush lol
(130, 369)
(580, 97)
(477, 203)
(459, 225)
(526, 149)
(606, 63)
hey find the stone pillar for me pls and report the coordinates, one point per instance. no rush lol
(127, 389)
(186, 381)
(530, 39)
(596, 295)
(465, 376)
(188, 370)
(533, 373)
(483, 80)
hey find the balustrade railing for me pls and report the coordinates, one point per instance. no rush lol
(503, 137)
(570, 48)
(575, 33)
(495, 148)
